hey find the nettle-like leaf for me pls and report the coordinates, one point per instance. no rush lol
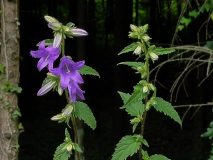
(193, 13)
(136, 96)
(158, 157)
(82, 111)
(161, 51)
(129, 48)
(88, 70)
(134, 65)
(165, 107)
(126, 147)
(185, 21)
(61, 152)
(135, 109)
(124, 96)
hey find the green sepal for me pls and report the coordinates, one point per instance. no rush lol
(165, 107)
(70, 24)
(126, 147)
(82, 111)
(129, 48)
(77, 148)
(88, 70)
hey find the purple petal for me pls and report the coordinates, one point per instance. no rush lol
(79, 65)
(64, 80)
(42, 45)
(42, 63)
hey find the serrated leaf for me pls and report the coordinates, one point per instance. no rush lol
(67, 133)
(88, 70)
(134, 65)
(136, 96)
(165, 107)
(161, 51)
(82, 111)
(158, 157)
(61, 153)
(135, 109)
(127, 146)
(129, 48)
(124, 96)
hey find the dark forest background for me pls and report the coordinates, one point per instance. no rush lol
(107, 22)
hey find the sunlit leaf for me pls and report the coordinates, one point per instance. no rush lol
(88, 70)
(129, 48)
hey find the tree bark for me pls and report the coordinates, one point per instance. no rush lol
(9, 58)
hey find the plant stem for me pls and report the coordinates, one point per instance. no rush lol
(146, 100)
(74, 126)
(68, 101)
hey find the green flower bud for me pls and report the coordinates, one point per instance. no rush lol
(133, 27)
(146, 38)
(57, 117)
(153, 56)
(145, 89)
(54, 26)
(68, 111)
(50, 19)
(69, 147)
(137, 51)
(57, 40)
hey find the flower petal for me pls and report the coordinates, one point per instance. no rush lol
(57, 40)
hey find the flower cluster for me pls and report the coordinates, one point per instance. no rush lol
(67, 70)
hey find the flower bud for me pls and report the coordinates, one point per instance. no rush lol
(68, 111)
(46, 88)
(50, 19)
(57, 117)
(146, 38)
(153, 56)
(145, 89)
(137, 51)
(69, 147)
(54, 26)
(57, 40)
(76, 32)
(133, 27)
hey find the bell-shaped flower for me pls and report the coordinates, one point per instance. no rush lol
(47, 55)
(75, 91)
(75, 32)
(69, 77)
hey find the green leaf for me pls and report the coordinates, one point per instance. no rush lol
(77, 148)
(127, 146)
(134, 65)
(209, 44)
(167, 109)
(88, 70)
(145, 142)
(129, 48)
(2, 69)
(161, 51)
(67, 134)
(193, 13)
(135, 109)
(48, 42)
(82, 111)
(180, 27)
(61, 152)
(136, 96)
(70, 24)
(158, 157)
(185, 21)
(124, 96)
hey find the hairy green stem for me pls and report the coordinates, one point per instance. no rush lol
(146, 100)
(74, 126)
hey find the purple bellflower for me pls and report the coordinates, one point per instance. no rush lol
(69, 77)
(47, 55)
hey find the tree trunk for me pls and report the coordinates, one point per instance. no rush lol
(9, 58)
